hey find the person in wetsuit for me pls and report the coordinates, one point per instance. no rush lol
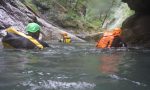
(34, 31)
(15, 39)
(65, 38)
(111, 39)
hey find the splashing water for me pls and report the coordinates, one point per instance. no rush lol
(74, 67)
(57, 85)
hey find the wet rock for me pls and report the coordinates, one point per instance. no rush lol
(139, 5)
(136, 28)
(16, 14)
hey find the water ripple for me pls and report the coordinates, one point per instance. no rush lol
(49, 84)
(135, 82)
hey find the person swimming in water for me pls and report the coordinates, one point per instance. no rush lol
(111, 39)
(15, 39)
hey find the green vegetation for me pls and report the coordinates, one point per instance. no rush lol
(86, 15)
(30, 5)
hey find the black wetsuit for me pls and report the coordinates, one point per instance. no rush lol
(117, 42)
(17, 41)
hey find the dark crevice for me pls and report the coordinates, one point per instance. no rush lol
(136, 27)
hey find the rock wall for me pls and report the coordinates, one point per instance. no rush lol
(139, 5)
(16, 14)
(136, 28)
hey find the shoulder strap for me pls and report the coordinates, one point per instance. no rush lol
(13, 30)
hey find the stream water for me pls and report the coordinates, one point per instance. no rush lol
(75, 67)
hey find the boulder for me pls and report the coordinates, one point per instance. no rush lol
(136, 28)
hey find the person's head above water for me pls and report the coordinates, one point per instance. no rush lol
(64, 34)
(33, 30)
(117, 31)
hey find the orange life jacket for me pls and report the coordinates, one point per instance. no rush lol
(111, 39)
(107, 40)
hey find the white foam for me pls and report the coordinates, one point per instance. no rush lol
(49, 84)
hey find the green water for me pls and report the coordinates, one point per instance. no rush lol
(74, 67)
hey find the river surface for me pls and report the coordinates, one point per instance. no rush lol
(75, 67)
